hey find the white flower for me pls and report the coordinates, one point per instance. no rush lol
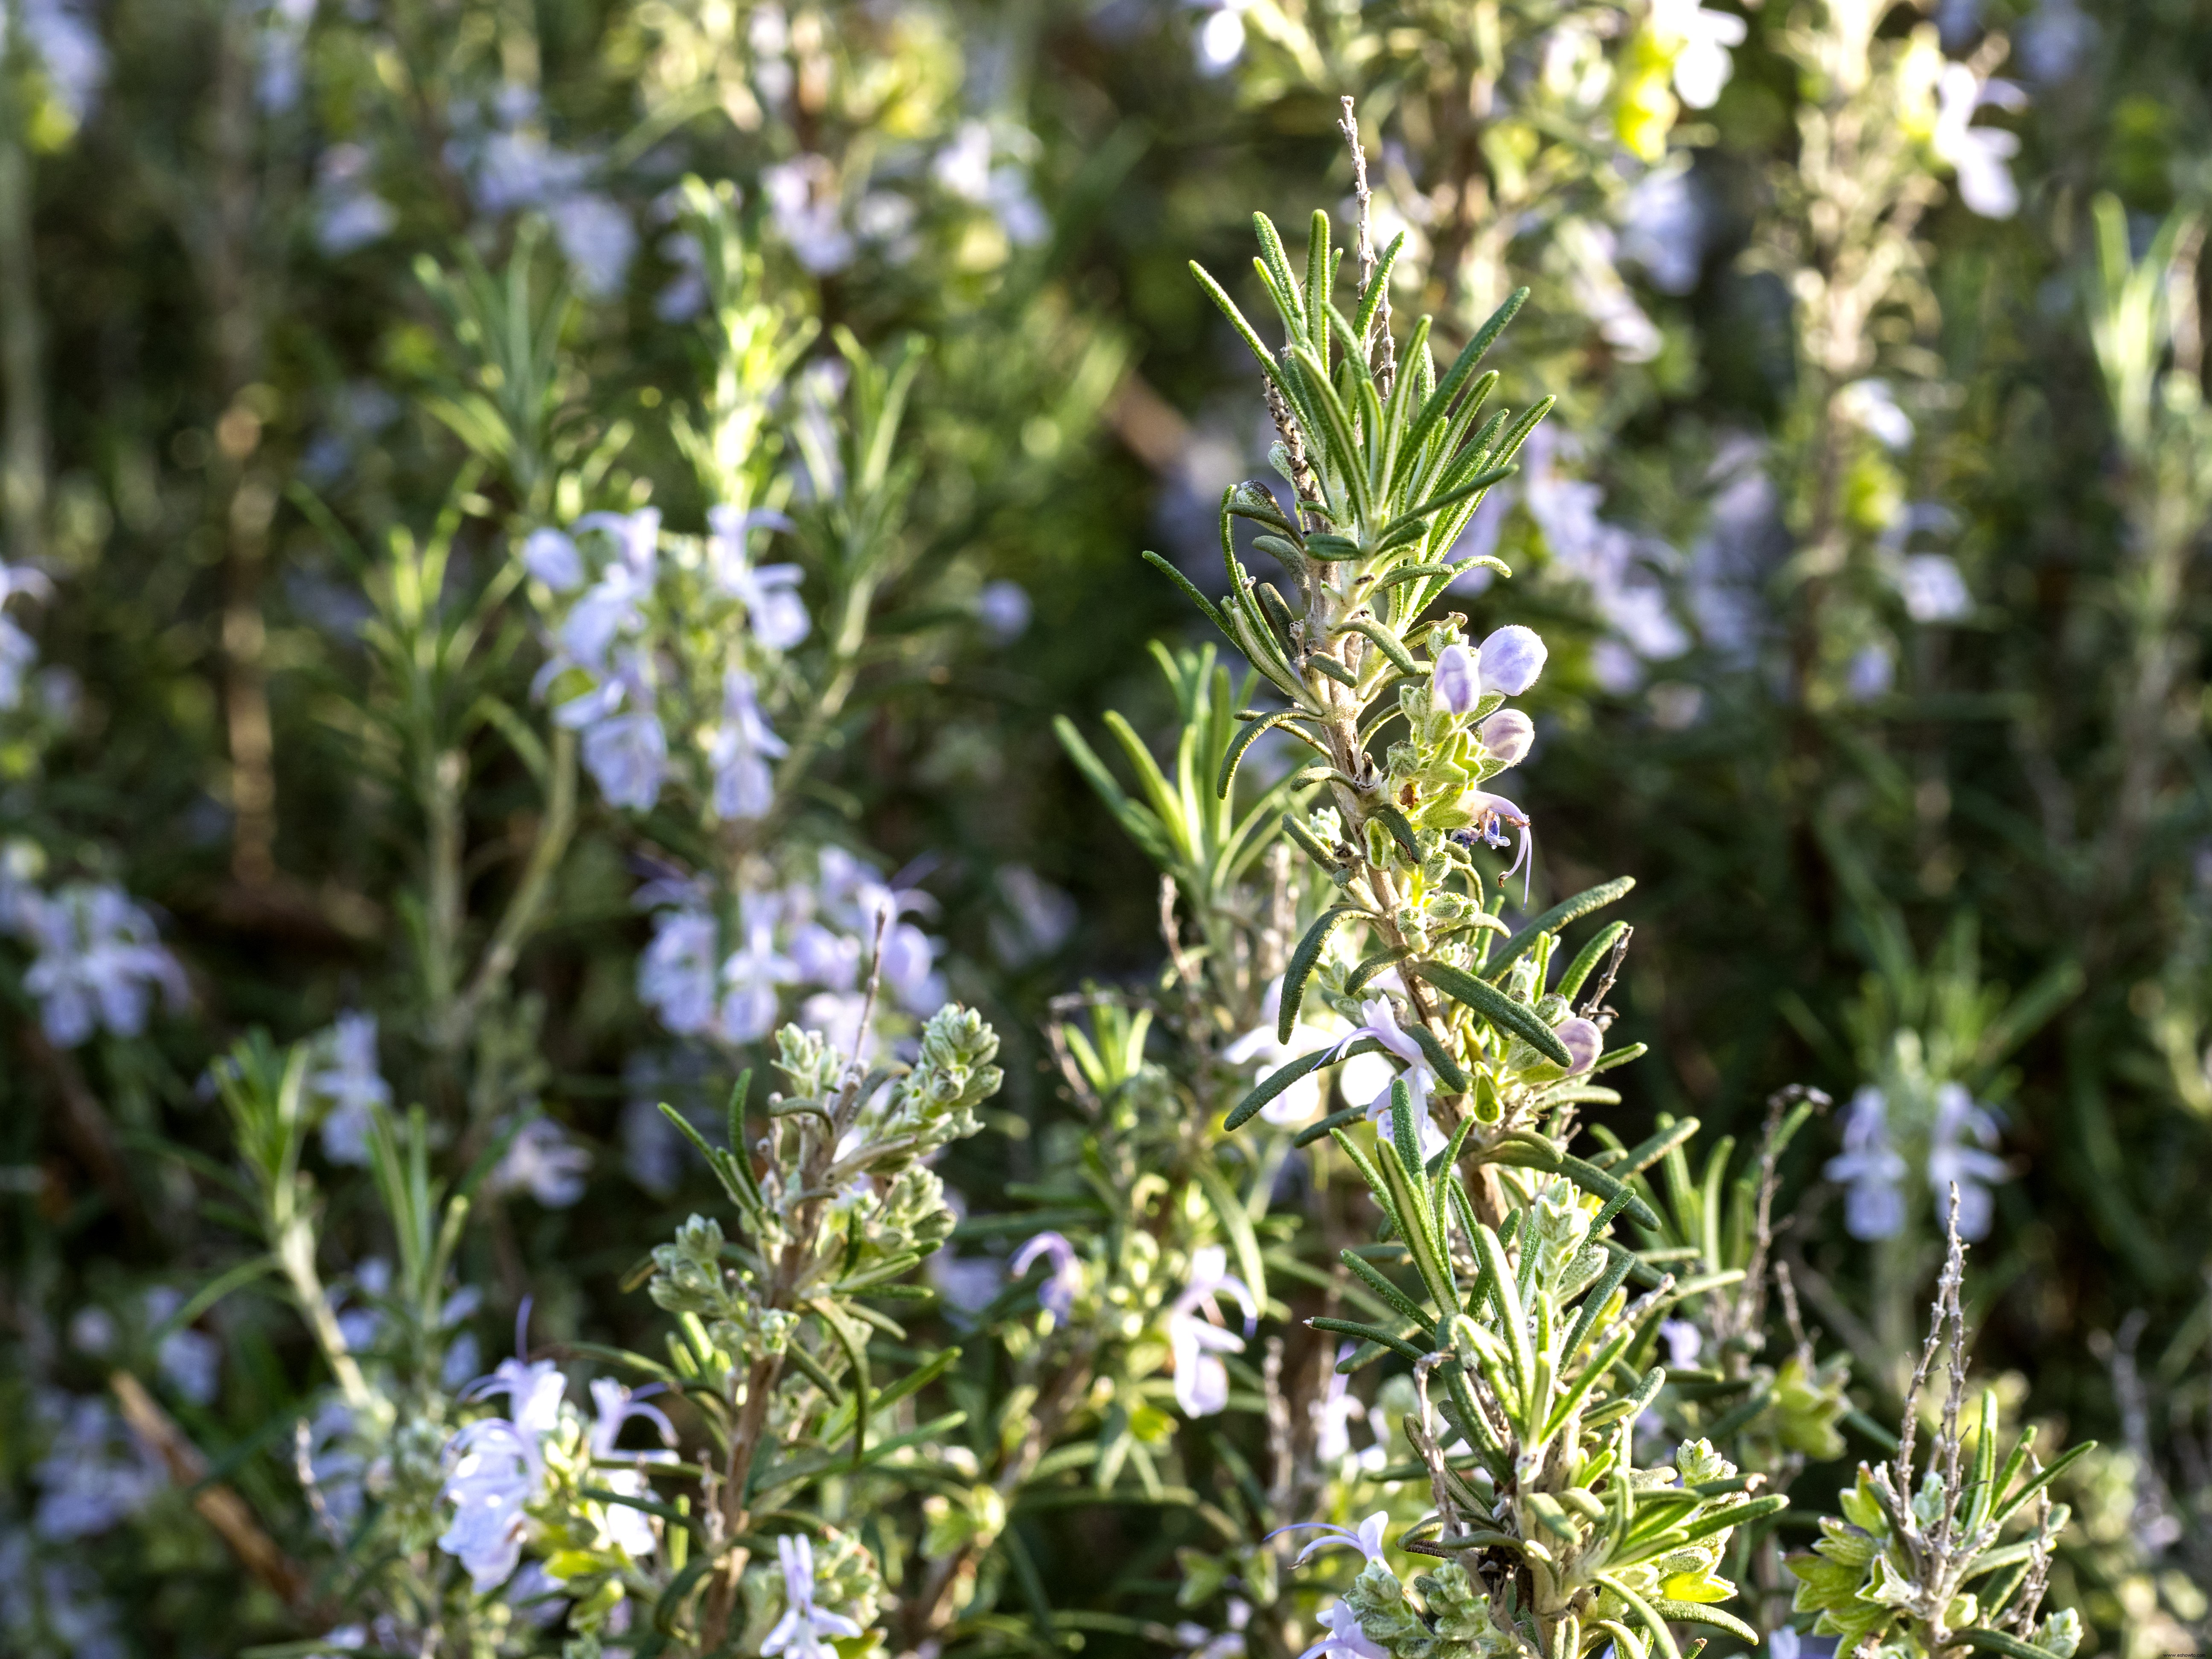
(1057, 1294)
(1873, 1204)
(1334, 1413)
(801, 1631)
(1302, 1099)
(742, 745)
(1971, 1168)
(821, 956)
(1977, 155)
(1221, 37)
(496, 1466)
(544, 1161)
(99, 961)
(614, 1404)
(1934, 590)
(1196, 1336)
(1366, 1538)
(353, 1085)
(1871, 406)
(1701, 64)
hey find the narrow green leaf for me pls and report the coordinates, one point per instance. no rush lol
(1587, 959)
(1558, 916)
(1205, 607)
(1236, 1222)
(1400, 830)
(1497, 1007)
(1382, 1338)
(1303, 962)
(1439, 1058)
(1448, 388)
(1233, 756)
(1283, 1076)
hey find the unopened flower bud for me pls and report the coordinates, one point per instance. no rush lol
(1507, 735)
(1456, 683)
(1511, 659)
(1582, 1041)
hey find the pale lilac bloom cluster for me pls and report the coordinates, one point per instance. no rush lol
(605, 634)
(1870, 1169)
(98, 962)
(512, 167)
(966, 168)
(67, 47)
(496, 1466)
(53, 1599)
(1332, 1416)
(799, 936)
(352, 1085)
(95, 1473)
(613, 1405)
(1196, 1336)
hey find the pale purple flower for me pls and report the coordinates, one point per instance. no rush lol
(770, 593)
(1456, 683)
(627, 756)
(353, 1085)
(94, 1473)
(1508, 735)
(824, 956)
(2053, 42)
(1874, 1203)
(597, 237)
(1379, 1020)
(1934, 590)
(1196, 1338)
(676, 975)
(349, 213)
(1343, 1639)
(1972, 1167)
(552, 558)
(1004, 609)
(544, 1161)
(1684, 1341)
(1057, 1294)
(1664, 226)
(749, 978)
(1492, 814)
(1511, 659)
(1870, 671)
(1261, 1046)
(1366, 1538)
(496, 1466)
(1582, 1041)
(906, 970)
(69, 50)
(800, 1631)
(742, 745)
(1977, 155)
(191, 1361)
(99, 961)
